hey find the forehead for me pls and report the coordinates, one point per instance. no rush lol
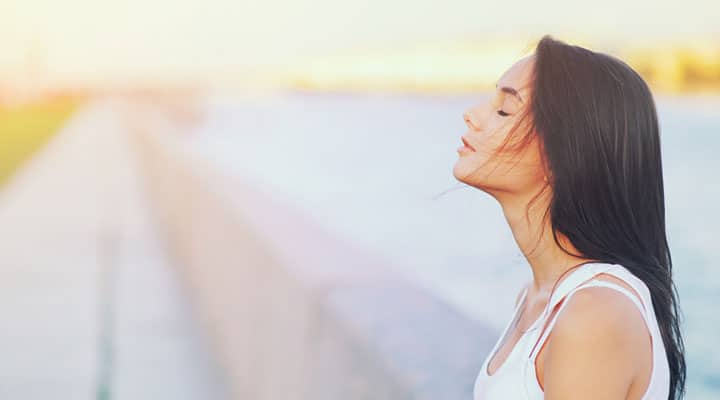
(519, 74)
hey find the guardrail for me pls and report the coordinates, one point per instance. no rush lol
(293, 312)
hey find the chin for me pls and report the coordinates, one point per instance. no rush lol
(459, 173)
(464, 174)
(463, 170)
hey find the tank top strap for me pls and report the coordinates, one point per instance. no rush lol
(640, 304)
(574, 280)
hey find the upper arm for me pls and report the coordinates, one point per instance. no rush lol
(594, 347)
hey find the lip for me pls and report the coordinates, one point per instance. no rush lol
(467, 143)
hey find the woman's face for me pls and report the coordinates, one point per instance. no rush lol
(488, 125)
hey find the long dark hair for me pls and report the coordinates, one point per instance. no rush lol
(598, 130)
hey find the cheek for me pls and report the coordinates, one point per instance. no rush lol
(489, 143)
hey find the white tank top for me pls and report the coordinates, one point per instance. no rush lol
(516, 379)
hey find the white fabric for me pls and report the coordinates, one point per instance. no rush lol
(516, 377)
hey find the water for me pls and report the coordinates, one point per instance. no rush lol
(370, 167)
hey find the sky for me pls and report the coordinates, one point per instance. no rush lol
(76, 40)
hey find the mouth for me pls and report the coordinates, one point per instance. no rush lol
(466, 144)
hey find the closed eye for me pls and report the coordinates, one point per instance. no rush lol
(502, 113)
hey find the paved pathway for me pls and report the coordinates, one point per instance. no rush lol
(89, 306)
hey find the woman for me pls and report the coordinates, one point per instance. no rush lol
(569, 146)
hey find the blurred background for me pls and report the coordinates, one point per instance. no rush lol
(255, 200)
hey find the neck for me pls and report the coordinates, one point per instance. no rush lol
(533, 234)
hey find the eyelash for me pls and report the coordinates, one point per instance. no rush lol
(502, 113)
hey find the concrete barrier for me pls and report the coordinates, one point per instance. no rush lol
(294, 312)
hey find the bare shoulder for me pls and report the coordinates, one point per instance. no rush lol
(595, 346)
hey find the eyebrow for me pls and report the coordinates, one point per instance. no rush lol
(509, 90)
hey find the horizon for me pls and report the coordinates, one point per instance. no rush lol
(79, 43)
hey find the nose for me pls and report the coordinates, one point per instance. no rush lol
(469, 121)
(466, 116)
(476, 116)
